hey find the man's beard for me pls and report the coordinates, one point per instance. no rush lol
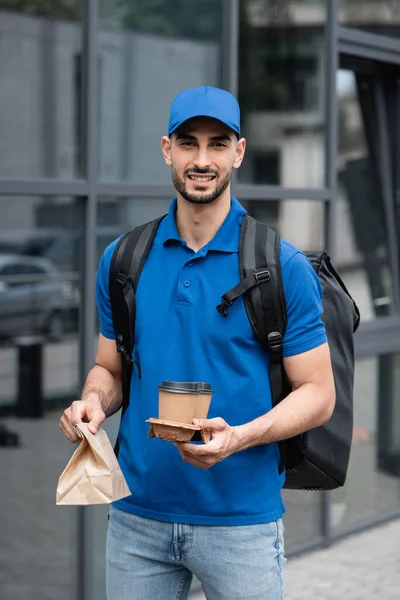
(180, 186)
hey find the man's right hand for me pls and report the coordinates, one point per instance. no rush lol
(89, 411)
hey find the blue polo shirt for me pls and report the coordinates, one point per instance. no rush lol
(179, 335)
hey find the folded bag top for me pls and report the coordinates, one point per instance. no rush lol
(93, 475)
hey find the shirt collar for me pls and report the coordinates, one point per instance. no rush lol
(226, 238)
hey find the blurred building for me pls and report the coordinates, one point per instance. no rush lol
(85, 90)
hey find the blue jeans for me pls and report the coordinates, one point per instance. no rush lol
(154, 560)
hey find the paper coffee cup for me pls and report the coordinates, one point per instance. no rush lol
(177, 401)
(203, 400)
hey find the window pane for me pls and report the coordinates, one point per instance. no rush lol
(281, 92)
(149, 52)
(375, 16)
(39, 376)
(40, 73)
(372, 485)
(362, 245)
(302, 517)
(300, 222)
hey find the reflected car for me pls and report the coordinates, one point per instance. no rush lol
(33, 298)
(63, 249)
(30, 242)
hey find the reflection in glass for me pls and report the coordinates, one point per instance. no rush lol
(40, 73)
(40, 291)
(373, 484)
(149, 52)
(375, 16)
(302, 518)
(39, 376)
(119, 215)
(281, 92)
(300, 222)
(362, 247)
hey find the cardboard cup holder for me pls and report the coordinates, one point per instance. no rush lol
(177, 432)
(179, 403)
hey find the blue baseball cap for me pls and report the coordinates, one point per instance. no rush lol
(205, 101)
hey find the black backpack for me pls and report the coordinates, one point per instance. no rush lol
(317, 459)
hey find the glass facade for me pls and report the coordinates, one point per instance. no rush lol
(374, 16)
(363, 241)
(39, 374)
(41, 89)
(85, 94)
(373, 479)
(148, 52)
(281, 93)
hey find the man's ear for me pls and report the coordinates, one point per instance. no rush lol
(166, 149)
(239, 153)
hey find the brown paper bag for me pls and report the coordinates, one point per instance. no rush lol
(93, 475)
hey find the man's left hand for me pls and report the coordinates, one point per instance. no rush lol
(223, 443)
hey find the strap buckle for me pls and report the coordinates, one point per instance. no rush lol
(223, 307)
(121, 348)
(275, 341)
(262, 276)
(122, 280)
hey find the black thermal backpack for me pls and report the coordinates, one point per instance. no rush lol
(317, 459)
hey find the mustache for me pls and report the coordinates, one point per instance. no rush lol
(197, 171)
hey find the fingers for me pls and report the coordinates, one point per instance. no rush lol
(216, 424)
(193, 460)
(96, 417)
(67, 428)
(78, 411)
(201, 456)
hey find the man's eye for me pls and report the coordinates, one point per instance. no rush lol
(187, 143)
(219, 145)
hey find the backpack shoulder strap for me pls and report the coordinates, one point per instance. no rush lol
(265, 303)
(260, 248)
(126, 266)
(260, 284)
(263, 296)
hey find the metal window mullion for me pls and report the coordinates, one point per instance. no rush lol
(271, 192)
(230, 53)
(230, 46)
(357, 37)
(129, 189)
(369, 53)
(85, 578)
(42, 187)
(330, 209)
(247, 191)
(368, 45)
(396, 162)
(381, 336)
(331, 136)
(387, 185)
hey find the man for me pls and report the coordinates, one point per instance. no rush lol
(215, 509)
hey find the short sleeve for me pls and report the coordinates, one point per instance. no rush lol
(103, 293)
(305, 329)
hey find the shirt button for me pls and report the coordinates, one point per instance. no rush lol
(186, 283)
(190, 263)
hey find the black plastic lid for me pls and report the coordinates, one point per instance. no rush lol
(204, 387)
(187, 387)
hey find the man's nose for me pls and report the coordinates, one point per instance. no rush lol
(202, 159)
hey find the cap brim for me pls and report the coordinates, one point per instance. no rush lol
(220, 119)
